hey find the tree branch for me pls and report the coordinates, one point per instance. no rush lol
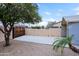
(11, 26)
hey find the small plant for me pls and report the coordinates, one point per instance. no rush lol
(61, 43)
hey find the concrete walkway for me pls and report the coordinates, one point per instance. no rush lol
(20, 48)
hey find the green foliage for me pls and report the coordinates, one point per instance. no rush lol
(18, 12)
(61, 43)
(11, 13)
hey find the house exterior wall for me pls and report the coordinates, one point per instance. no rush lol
(73, 29)
(57, 25)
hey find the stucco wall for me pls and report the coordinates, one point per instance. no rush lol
(44, 32)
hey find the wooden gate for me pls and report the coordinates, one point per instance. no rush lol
(18, 31)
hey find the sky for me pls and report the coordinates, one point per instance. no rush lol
(55, 11)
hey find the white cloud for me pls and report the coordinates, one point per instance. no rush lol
(58, 14)
(43, 23)
(50, 19)
(60, 10)
(53, 20)
(76, 9)
(77, 13)
(47, 13)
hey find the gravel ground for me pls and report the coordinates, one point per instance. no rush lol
(21, 48)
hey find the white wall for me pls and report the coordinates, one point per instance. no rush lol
(73, 29)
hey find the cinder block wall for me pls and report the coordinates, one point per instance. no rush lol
(56, 32)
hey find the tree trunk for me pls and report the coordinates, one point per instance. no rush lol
(7, 38)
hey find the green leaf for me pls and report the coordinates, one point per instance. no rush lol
(61, 43)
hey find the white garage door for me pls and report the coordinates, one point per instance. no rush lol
(73, 29)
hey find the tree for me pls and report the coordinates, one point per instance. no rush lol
(14, 13)
(64, 27)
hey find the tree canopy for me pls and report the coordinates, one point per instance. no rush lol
(10, 13)
(19, 12)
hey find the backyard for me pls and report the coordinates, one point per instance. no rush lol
(57, 38)
(20, 48)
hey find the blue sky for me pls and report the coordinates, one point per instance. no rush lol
(55, 11)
